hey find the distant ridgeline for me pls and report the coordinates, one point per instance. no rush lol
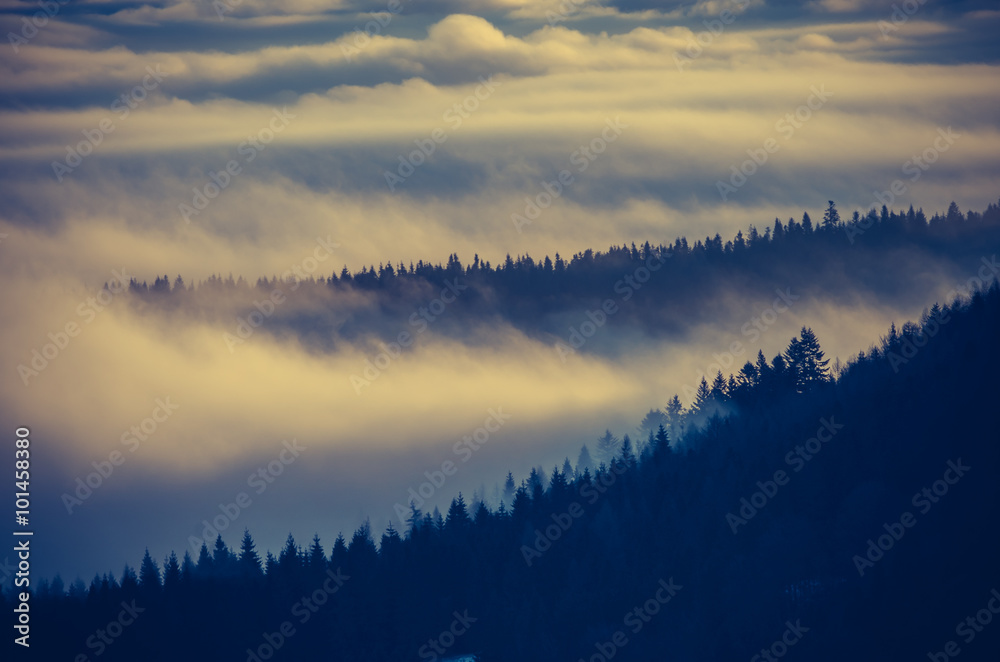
(850, 516)
(660, 290)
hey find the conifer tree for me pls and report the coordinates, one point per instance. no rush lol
(584, 461)
(249, 558)
(607, 447)
(831, 217)
(149, 573)
(806, 362)
(171, 571)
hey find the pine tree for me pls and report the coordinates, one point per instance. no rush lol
(221, 557)
(509, 487)
(317, 558)
(482, 515)
(557, 484)
(536, 483)
(675, 416)
(188, 568)
(662, 440)
(806, 361)
(831, 217)
(288, 559)
(171, 571)
(701, 397)
(149, 573)
(77, 590)
(521, 506)
(249, 558)
(204, 561)
(648, 447)
(607, 447)
(270, 566)
(719, 387)
(361, 552)
(129, 583)
(338, 555)
(584, 461)
(458, 516)
(954, 214)
(413, 522)
(390, 542)
(627, 456)
(653, 418)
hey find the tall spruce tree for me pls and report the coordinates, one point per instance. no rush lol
(806, 361)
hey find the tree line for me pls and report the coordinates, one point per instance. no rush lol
(557, 566)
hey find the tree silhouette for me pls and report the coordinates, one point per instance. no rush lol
(149, 573)
(627, 455)
(509, 487)
(250, 565)
(583, 460)
(806, 362)
(204, 561)
(702, 397)
(608, 446)
(896, 425)
(171, 571)
(831, 217)
(458, 515)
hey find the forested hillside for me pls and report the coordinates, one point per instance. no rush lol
(663, 290)
(829, 517)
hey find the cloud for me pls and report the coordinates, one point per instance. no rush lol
(356, 117)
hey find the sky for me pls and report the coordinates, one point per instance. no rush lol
(253, 138)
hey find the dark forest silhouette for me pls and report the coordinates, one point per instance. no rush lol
(884, 255)
(923, 396)
(554, 571)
